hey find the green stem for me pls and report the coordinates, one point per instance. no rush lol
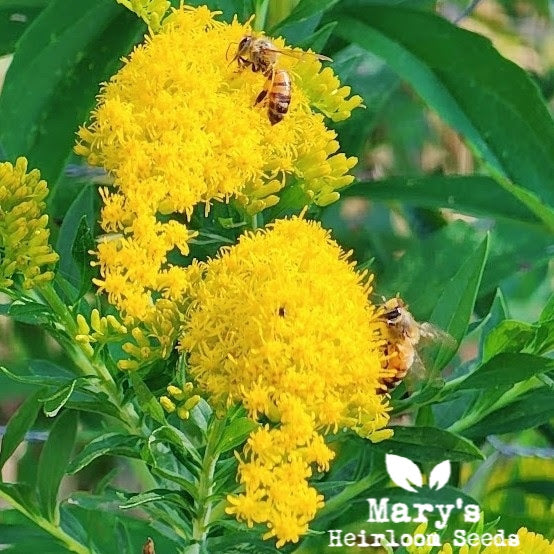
(58, 533)
(348, 493)
(53, 530)
(88, 366)
(279, 11)
(203, 504)
(508, 397)
(260, 15)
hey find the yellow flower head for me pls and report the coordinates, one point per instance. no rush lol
(283, 324)
(24, 248)
(177, 125)
(282, 318)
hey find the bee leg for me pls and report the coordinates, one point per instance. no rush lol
(260, 97)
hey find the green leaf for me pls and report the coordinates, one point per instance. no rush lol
(236, 433)
(474, 194)
(20, 422)
(184, 447)
(429, 444)
(55, 402)
(317, 41)
(509, 336)
(455, 305)
(15, 18)
(20, 496)
(156, 495)
(50, 86)
(34, 379)
(180, 480)
(506, 369)
(304, 10)
(82, 245)
(537, 487)
(26, 311)
(426, 267)
(147, 401)
(487, 98)
(529, 411)
(80, 218)
(53, 461)
(113, 444)
(498, 312)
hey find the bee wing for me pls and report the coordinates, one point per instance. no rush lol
(417, 373)
(430, 333)
(298, 55)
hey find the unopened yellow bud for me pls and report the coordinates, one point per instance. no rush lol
(167, 404)
(95, 321)
(82, 325)
(127, 365)
(183, 413)
(176, 392)
(192, 402)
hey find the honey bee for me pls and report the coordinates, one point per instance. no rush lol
(261, 55)
(404, 335)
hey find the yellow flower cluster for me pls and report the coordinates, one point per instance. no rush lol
(180, 400)
(24, 248)
(283, 324)
(275, 475)
(177, 126)
(528, 543)
(100, 331)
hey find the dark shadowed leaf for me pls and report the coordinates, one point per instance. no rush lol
(530, 410)
(53, 462)
(66, 52)
(487, 98)
(429, 444)
(21, 421)
(506, 369)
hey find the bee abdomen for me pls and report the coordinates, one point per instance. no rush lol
(279, 96)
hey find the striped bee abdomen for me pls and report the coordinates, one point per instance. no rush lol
(279, 96)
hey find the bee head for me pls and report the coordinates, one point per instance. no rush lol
(244, 44)
(393, 309)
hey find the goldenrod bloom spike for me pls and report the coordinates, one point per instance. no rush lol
(269, 328)
(24, 248)
(189, 134)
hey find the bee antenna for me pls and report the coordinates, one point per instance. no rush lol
(227, 52)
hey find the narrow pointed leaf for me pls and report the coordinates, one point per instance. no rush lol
(21, 421)
(53, 462)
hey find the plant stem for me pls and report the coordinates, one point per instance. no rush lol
(58, 533)
(203, 504)
(87, 366)
(53, 530)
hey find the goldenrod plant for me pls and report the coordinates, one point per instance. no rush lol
(263, 302)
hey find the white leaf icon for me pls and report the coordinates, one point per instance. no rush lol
(403, 472)
(439, 475)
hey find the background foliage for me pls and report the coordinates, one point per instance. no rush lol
(453, 209)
